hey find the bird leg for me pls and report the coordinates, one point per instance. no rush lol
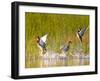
(44, 51)
(40, 53)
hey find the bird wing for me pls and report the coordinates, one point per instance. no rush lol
(82, 31)
(62, 46)
(42, 44)
(44, 38)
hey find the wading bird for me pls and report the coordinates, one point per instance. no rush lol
(80, 33)
(41, 42)
(64, 48)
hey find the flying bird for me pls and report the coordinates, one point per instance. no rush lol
(64, 48)
(41, 42)
(80, 33)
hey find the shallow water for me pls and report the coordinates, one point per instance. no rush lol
(55, 60)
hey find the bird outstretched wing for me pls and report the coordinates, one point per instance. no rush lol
(82, 31)
(44, 38)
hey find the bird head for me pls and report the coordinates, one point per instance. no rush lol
(78, 31)
(38, 39)
(69, 42)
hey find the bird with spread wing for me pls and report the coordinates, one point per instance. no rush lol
(80, 33)
(41, 42)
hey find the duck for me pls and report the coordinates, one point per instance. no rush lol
(65, 48)
(80, 33)
(41, 43)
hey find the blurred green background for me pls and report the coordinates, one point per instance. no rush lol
(60, 29)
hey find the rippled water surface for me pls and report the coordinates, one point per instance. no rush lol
(55, 61)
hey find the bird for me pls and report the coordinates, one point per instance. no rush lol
(41, 43)
(64, 48)
(80, 33)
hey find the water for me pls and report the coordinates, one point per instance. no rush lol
(57, 60)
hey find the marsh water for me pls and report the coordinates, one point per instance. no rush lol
(55, 60)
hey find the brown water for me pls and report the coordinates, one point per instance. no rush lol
(56, 61)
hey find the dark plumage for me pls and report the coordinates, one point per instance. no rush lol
(80, 33)
(64, 48)
(42, 43)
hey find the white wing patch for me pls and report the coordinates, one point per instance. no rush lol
(44, 38)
